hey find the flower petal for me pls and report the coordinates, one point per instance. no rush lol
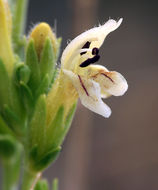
(120, 85)
(111, 82)
(89, 93)
(95, 36)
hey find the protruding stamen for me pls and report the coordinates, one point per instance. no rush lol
(95, 51)
(90, 60)
(83, 51)
(86, 45)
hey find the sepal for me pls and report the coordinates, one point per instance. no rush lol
(55, 129)
(45, 161)
(4, 128)
(38, 124)
(59, 127)
(43, 87)
(27, 96)
(4, 85)
(12, 118)
(23, 73)
(47, 60)
(32, 62)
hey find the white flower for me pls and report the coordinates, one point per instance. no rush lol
(92, 82)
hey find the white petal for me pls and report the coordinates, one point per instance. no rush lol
(95, 35)
(120, 85)
(89, 93)
(111, 82)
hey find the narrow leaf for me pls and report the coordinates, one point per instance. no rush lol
(33, 154)
(4, 128)
(42, 185)
(27, 96)
(69, 118)
(55, 129)
(37, 126)
(47, 60)
(47, 159)
(11, 116)
(23, 73)
(43, 87)
(55, 184)
(4, 85)
(32, 62)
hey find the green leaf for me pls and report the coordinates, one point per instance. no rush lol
(27, 97)
(14, 121)
(10, 152)
(42, 185)
(7, 146)
(26, 91)
(23, 73)
(55, 184)
(69, 118)
(59, 128)
(4, 128)
(38, 123)
(34, 153)
(47, 60)
(11, 116)
(4, 84)
(47, 159)
(54, 131)
(32, 62)
(43, 87)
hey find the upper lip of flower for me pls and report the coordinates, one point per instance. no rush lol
(92, 82)
(95, 36)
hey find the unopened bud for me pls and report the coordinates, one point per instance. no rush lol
(39, 34)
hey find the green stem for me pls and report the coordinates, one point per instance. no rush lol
(55, 184)
(9, 183)
(19, 24)
(30, 179)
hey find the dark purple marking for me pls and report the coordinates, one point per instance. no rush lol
(90, 60)
(107, 77)
(86, 45)
(83, 86)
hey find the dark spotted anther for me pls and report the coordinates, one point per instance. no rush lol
(86, 45)
(90, 60)
(95, 51)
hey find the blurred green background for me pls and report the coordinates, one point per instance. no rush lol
(119, 153)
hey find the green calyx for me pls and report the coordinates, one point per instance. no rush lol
(28, 73)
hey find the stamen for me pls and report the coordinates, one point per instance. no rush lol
(85, 50)
(95, 51)
(83, 86)
(90, 60)
(86, 45)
